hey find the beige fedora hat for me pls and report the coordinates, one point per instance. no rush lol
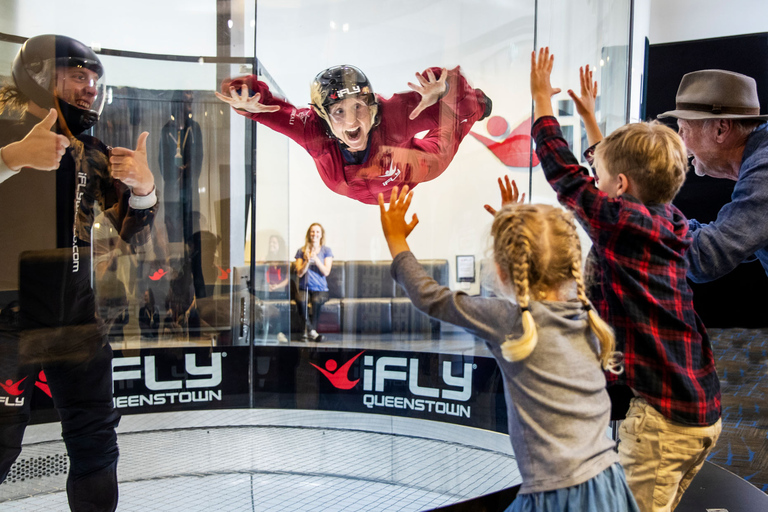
(714, 93)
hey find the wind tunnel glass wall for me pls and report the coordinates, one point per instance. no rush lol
(581, 34)
(207, 315)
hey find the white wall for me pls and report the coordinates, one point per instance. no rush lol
(685, 20)
(665, 21)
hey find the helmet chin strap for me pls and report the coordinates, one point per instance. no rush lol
(62, 121)
(74, 120)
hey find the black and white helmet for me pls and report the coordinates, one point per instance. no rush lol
(35, 71)
(338, 83)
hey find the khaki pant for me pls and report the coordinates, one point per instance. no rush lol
(661, 457)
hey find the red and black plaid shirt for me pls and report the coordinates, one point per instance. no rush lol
(636, 279)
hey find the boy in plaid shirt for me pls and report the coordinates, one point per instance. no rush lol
(636, 272)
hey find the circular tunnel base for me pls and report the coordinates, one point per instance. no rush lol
(275, 460)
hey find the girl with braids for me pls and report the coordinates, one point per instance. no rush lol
(550, 345)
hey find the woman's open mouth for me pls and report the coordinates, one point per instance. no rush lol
(353, 135)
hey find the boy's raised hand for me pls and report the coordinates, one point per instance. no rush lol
(541, 88)
(393, 222)
(509, 194)
(585, 102)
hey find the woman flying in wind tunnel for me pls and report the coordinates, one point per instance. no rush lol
(364, 144)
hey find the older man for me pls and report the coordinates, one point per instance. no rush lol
(718, 114)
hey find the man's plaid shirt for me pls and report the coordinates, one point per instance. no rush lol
(636, 279)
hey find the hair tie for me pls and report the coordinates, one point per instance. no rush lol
(526, 308)
(587, 307)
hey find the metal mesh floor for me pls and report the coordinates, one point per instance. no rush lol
(279, 468)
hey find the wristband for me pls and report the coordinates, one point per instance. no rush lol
(143, 202)
(5, 171)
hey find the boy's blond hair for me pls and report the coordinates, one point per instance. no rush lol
(652, 155)
(536, 246)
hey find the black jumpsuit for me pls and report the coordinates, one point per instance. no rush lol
(56, 329)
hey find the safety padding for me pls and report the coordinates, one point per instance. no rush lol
(369, 279)
(364, 299)
(406, 319)
(330, 316)
(337, 281)
(436, 269)
(366, 316)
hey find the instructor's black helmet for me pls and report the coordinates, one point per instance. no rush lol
(338, 83)
(35, 74)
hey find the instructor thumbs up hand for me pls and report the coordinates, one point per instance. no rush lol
(41, 148)
(130, 166)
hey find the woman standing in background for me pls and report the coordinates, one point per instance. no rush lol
(313, 264)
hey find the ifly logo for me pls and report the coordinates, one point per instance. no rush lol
(159, 273)
(211, 374)
(171, 391)
(14, 390)
(348, 91)
(378, 371)
(394, 173)
(223, 273)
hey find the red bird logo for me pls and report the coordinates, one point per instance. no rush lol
(158, 275)
(12, 388)
(339, 377)
(514, 150)
(223, 274)
(42, 383)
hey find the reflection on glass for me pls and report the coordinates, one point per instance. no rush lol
(181, 162)
(149, 317)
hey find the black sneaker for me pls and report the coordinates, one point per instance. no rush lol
(317, 338)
